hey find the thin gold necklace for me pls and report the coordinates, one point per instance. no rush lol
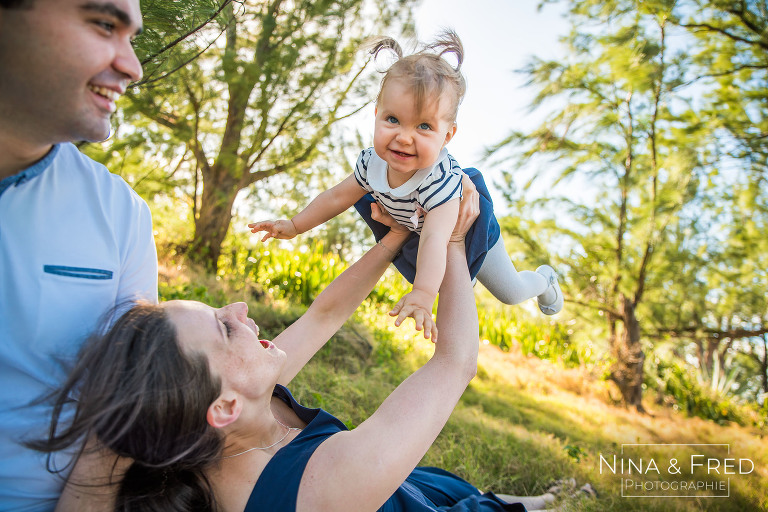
(288, 431)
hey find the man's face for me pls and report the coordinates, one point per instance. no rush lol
(64, 63)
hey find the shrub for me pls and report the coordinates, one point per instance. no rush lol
(679, 382)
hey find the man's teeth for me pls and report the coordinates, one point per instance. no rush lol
(107, 93)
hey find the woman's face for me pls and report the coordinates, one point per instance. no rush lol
(230, 341)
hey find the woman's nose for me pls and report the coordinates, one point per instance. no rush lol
(239, 309)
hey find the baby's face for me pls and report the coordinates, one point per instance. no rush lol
(409, 140)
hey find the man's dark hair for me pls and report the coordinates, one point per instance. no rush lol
(11, 4)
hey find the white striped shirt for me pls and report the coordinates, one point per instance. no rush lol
(428, 188)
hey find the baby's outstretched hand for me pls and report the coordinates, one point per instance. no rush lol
(281, 229)
(417, 305)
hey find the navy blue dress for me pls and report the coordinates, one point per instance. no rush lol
(483, 234)
(425, 490)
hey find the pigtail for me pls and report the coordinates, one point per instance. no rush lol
(377, 44)
(426, 72)
(448, 42)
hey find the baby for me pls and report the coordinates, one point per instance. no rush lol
(410, 174)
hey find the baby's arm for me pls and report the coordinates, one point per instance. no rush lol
(324, 207)
(430, 266)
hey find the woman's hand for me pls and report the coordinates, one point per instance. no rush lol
(469, 209)
(381, 215)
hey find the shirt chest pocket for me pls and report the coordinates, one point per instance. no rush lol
(78, 272)
(72, 301)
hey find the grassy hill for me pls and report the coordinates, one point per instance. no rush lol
(522, 423)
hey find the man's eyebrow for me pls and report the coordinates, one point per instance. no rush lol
(112, 10)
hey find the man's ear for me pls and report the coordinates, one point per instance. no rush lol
(449, 135)
(224, 410)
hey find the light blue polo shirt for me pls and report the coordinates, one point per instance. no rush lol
(75, 240)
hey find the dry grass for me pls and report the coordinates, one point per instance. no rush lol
(558, 422)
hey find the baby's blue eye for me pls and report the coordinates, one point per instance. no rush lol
(425, 126)
(392, 119)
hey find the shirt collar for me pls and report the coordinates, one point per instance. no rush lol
(377, 176)
(30, 172)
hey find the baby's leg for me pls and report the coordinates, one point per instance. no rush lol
(499, 275)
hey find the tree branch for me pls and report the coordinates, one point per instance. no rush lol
(711, 28)
(706, 333)
(596, 307)
(150, 80)
(183, 37)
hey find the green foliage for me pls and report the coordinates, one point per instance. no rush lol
(299, 275)
(169, 28)
(549, 341)
(673, 380)
(732, 54)
(236, 93)
(575, 452)
(666, 237)
(614, 135)
(296, 274)
(190, 291)
(763, 415)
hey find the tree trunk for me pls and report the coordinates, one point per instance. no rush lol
(627, 371)
(213, 222)
(709, 357)
(764, 364)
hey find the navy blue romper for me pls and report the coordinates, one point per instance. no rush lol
(425, 490)
(483, 234)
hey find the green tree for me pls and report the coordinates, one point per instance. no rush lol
(732, 53)
(669, 245)
(618, 123)
(729, 315)
(719, 304)
(252, 94)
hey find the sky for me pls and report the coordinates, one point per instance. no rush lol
(499, 37)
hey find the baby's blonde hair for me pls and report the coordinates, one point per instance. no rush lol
(426, 71)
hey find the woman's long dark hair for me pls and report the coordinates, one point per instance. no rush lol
(142, 397)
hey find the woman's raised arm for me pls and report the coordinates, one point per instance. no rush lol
(302, 339)
(358, 470)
